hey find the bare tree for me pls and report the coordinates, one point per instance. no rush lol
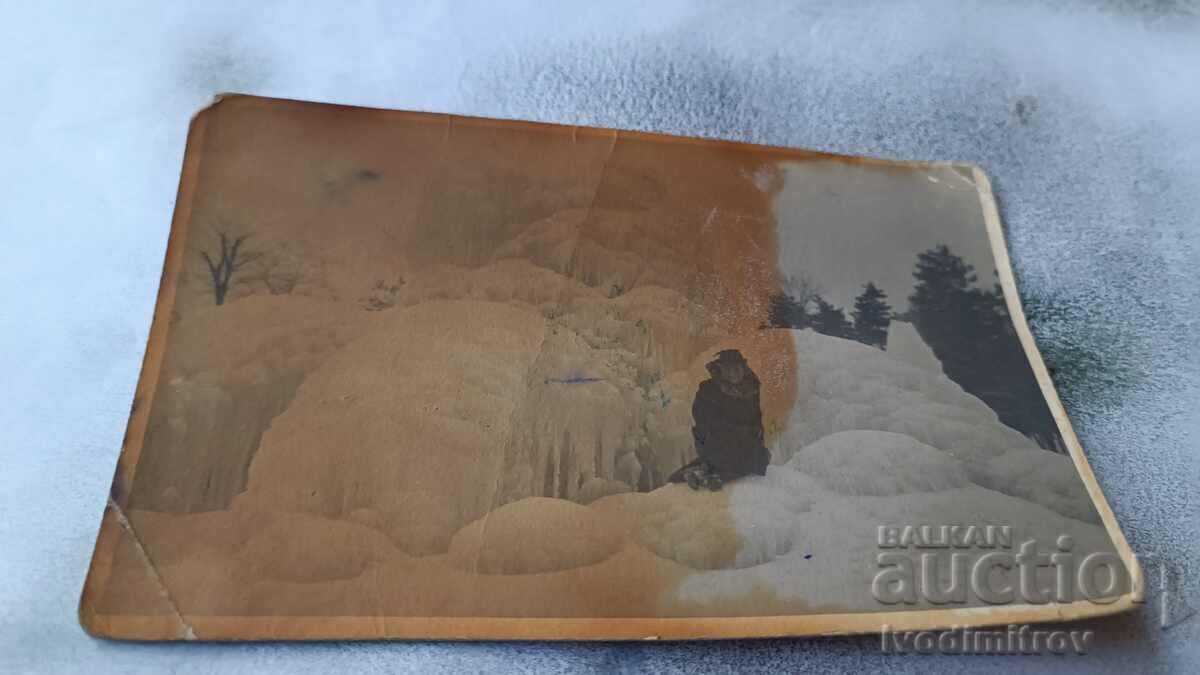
(225, 262)
(803, 288)
(280, 271)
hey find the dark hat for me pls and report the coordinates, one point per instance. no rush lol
(730, 356)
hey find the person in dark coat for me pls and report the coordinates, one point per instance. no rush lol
(728, 426)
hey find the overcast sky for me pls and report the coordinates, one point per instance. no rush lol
(847, 224)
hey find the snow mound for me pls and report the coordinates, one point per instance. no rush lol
(764, 510)
(1041, 477)
(596, 488)
(217, 393)
(846, 386)
(516, 281)
(513, 539)
(818, 548)
(291, 333)
(295, 547)
(879, 463)
(264, 544)
(748, 523)
(905, 344)
(419, 412)
(692, 528)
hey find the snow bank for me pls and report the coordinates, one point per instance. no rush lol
(846, 386)
(503, 281)
(879, 463)
(513, 538)
(221, 385)
(692, 528)
(410, 420)
(262, 544)
(816, 549)
(905, 344)
(1041, 477)
(576, 403)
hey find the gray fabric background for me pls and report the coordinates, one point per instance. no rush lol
(1086, 116)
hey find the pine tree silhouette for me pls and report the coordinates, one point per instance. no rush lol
(830, 320)
(785, 312)
(972, 334)
(872, 315)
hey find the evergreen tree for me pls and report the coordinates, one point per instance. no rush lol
(872, 314)
(971, 332)
(785, 312)
(945, 312)
(830, 320)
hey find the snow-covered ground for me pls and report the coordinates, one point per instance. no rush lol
(456, 503)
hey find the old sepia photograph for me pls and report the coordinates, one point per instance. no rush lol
(423, 376)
